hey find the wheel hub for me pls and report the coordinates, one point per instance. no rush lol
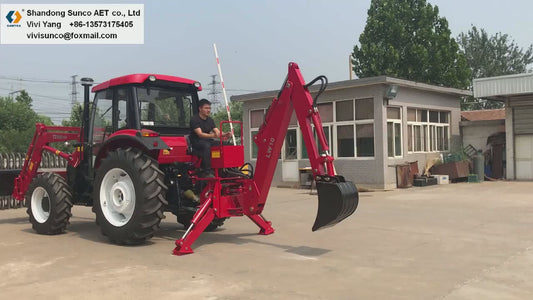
(40, 204)
(120, 197)
(117, 197)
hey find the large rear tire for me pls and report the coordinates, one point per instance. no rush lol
(49, 201)
(129, 196)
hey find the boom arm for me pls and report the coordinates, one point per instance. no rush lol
(294, 96)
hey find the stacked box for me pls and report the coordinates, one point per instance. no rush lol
(442, 179)
(424, 181)
(420, 182)
(472, 178)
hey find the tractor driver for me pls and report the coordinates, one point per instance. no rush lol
(203, 131)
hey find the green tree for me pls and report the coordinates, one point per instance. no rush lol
(489, 56)
(408, 39)
(76, 116)
(235, 111)
(17, 123)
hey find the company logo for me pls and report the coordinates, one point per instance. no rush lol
(13, 17)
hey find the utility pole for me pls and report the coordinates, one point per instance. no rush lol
(350, 66)
(74, 93)
(214, 91)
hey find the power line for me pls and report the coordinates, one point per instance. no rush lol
(38, 95)
(252, 91)
(33, 80)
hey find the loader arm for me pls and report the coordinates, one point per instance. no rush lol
(44, 135)
(337, 198)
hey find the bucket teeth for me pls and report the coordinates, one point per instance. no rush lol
(336, 202)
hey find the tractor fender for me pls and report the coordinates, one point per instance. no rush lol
(149, 145)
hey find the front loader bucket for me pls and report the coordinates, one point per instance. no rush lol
(7, 181)
(336, 202)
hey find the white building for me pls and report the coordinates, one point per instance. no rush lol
(369, 133)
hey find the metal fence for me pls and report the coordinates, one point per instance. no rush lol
(15, 161)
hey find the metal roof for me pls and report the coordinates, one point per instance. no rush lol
(338, 85)
(503, 86)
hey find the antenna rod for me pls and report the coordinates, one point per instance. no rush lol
(224, 93)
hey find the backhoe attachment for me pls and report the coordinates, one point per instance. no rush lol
(337, 200)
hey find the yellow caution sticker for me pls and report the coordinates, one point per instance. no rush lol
(166, 152)
(215, 154)
(245, 170)
(57, 152)
(31, 165)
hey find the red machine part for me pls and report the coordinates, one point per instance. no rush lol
(249, 195)
(140, 78)
(44, 135)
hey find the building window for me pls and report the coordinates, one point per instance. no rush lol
(328, 139)
(348, 127)
(409, 138)
(253, 144)
(358, 140)
(345, 141)
(291, 144)
(326, 129)
(364, 109)
(256, 118)
(428, 130)
(344, 110)
(394, 131)
(326, 112)
(365, 140)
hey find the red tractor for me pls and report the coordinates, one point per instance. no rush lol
(133, 161)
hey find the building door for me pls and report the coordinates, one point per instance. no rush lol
(524, 157)
(289, 162)
(523, 130)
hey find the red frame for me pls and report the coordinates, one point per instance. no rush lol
(229, 156)
(140, 78)
(43, 136)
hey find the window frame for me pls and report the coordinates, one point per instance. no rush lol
(430, 141)
(394, 122)
(354, 122)
(252, 130)
(332, 139)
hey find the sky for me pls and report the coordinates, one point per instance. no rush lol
(255, 40)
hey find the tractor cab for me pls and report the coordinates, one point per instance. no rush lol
(160, 103)
(145, 111)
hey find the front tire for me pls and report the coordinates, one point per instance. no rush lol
(49, 201)
(129, 196)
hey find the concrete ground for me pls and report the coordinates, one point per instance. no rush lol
(459, 241)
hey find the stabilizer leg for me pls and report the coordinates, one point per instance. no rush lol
(199, 223)
(264, 225)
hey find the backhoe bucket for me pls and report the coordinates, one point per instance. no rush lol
(336, 202)
(7, 181)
